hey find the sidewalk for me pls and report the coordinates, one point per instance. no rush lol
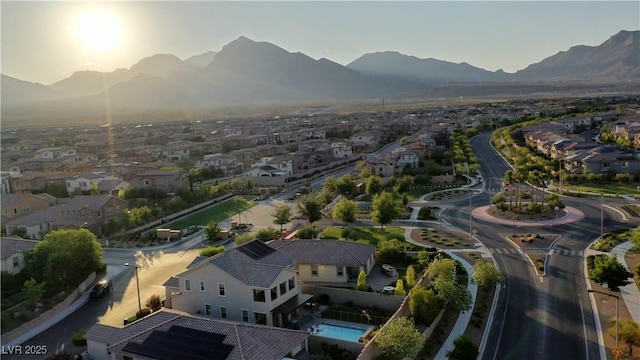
(630, 293)
(465, 317)
(112, 272)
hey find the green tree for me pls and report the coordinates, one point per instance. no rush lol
(345, 210)
(364, 169)
(453, 296)
(410, 277)
(213, 231)
(347, 187)
(399, 290)
(442, 269)
(141, 215)
(635, 236)
(403, 184)
(607, 269)
(628, 332)
(385, 208)
(33, 291)
(330, 185)
(211, 251)
(424, 305)
(311, 206)
(281, 216)
(463, 349)
(399, 339)
(94, 190)
(487, 275)
(50, 260)
(373, 185)
(362, 285)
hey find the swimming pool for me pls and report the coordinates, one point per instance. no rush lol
(339, 332)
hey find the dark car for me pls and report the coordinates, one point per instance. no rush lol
(101, 288)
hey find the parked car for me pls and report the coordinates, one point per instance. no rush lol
(100, 289)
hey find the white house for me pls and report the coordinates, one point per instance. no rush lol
(341, 150)
(252, 283)
(85, 180)
(271, 167)
(12, 255)
(405, 158)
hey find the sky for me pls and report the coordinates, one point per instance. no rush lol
(47, 41)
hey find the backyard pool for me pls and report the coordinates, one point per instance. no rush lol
(338, 332)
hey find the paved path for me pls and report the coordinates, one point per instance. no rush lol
(464, 318)
(630, 293)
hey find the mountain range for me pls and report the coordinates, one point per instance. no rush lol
(245, 72)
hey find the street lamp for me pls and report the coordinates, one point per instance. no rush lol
(614, 296)
(601, 215)
(466, 165)
(137, 284)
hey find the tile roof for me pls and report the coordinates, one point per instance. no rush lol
(12, 244)
(249, 341)
(260, 272)
(325, 252)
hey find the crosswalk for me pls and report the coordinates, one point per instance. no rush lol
(561, 252)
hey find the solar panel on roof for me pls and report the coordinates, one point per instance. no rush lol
(179, 342)
(256, 249)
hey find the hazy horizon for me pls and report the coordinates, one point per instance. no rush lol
(47, 41)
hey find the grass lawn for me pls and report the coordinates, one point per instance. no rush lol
(216, 213)
(615, 189)
(370, 234)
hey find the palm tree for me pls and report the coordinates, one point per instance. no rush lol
(508, 181)
(518, 179)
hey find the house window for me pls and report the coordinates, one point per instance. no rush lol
(260, 318)
(221, 290)
(26, 208)
(258, 295)
(15, 210)
(187, 285)
(274, 293)
(625, 164)
(606, 165)
(16, 262)
(283, 288)
(201, 285)
(117, 208)
(340, 271)
(223, 312)
(292, 283)
(207, 309)
(109, 211)
(147, 182)
(314, 270)
(245, 315)
(99, 213)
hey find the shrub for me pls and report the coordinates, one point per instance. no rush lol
(349, 233)
(78, 338)
(324, 299)
(142, 313)
(154, 302)
(211, 251)
(308, 232)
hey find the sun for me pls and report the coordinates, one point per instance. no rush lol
(98, 31)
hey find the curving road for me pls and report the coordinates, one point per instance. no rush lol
(537, 318)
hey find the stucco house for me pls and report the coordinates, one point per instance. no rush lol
(84, 181)
(169, 334)
(81, 212)
(18, 205)
(12, 255)
(169, 181)
(252, 283)
(328, 261)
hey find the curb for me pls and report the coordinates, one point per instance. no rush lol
(594, 306)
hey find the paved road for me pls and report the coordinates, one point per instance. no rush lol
(155, 268)
(548, 318)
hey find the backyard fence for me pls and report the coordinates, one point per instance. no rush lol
(354, 317)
